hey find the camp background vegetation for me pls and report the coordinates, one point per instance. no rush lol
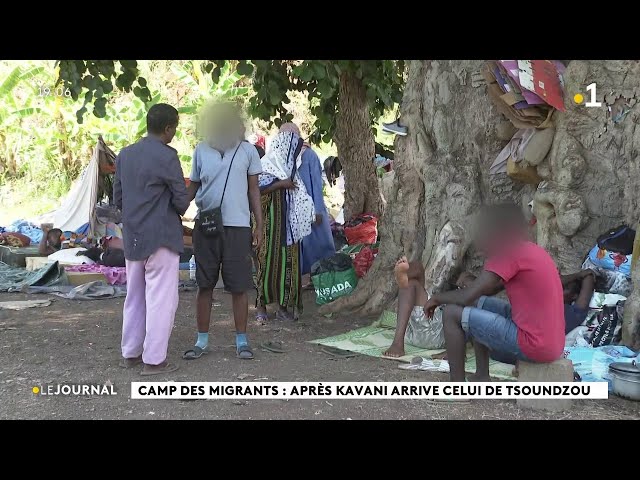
(46, 141)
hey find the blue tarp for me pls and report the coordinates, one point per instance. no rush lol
(592, 364)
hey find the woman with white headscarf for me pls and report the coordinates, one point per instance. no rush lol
(288, 213)
(319, 244)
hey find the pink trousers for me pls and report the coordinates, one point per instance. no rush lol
(150, 306)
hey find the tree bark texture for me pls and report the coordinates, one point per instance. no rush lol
(591, 177)
(356, 149)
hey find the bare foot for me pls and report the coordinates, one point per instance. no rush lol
(394, 351)
(479, 378)
(401, 272)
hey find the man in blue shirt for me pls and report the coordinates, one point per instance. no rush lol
(224, 175)
(150, 191)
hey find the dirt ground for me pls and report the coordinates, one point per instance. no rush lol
(78, 342)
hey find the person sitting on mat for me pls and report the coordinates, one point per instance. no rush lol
(412, 297)
(530, 326)
(577, 289)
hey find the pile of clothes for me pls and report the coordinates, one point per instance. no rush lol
(20, 234)
(611, 259)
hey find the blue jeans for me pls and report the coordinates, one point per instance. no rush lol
(490, 324)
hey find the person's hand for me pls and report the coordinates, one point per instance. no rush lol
(288, 184)
(431, 306)
(256, 238)
(402, 259)
(45, 228)
(318, 219)
(465, 279)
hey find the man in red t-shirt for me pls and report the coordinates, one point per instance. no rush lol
(531, 326)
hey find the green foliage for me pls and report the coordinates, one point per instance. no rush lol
(96, 79)
(271, 80)
(43, 147)
(382, 79)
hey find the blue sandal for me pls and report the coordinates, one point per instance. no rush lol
(193, 353)
(244, 352)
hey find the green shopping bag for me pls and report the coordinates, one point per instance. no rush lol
(332, 285)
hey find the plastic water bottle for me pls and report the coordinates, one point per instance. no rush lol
(192, 267)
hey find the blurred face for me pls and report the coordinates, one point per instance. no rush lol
(482, 235)
(223, 128)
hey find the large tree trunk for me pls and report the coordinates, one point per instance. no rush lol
(593, 171)
(441, 177)
(356, 149)
(592, 177)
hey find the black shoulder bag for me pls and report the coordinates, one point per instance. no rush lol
(211, 224)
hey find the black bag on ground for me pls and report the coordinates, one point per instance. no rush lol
(211, 224)
(339, 239)
(339, 262)
(618, 240)
(605, 332)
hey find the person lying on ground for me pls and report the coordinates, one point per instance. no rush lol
(51, 240)
(412, 297)
(531, 326)
(577, 291)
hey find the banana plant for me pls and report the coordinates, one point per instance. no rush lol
(203, 89)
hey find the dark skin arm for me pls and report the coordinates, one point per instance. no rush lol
(192, 189)
(578, 276)
(586, 290)
(43, 246)
(279, 185)
(488, 283)
(256, 209)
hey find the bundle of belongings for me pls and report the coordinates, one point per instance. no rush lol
(611, 260)
(383, 165)
(362, 256)
(361, 234)
(333, 277)
(526, 92)
(363, 229)
(20, 234)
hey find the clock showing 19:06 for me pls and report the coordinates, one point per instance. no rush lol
(46, 91)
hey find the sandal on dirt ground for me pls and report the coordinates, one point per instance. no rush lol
(195, 352)
(244, 352)
(130, 362)
(337, 353)
(285, 316)
(273, 347)
(262, 318)
(164, 367)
